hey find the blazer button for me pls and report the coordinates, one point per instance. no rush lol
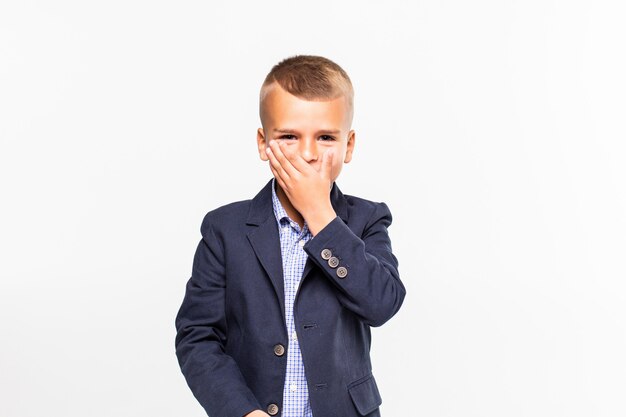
(279, 350)
(326, 254)
(333, 262)
(272, 409)
(342, 272)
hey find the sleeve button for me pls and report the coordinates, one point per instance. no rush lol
(333, 262)
(342, 272)
(326, 254)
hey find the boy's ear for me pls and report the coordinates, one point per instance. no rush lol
(350, 146)
(260, 139)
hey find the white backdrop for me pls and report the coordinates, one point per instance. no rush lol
(494, 130)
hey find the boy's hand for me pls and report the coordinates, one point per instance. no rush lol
(308, 190)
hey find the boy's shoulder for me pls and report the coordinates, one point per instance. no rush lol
(360, 202)
(231, 213)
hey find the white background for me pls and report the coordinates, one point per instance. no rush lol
(494, 130)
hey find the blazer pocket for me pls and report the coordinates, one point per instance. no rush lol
(365, 395)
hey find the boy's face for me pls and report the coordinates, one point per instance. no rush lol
(308, 128)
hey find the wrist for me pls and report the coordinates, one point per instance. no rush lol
(319, 219)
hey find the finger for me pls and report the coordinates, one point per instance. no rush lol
(286, 164)
(275, 163)
(327, 165)
(297, 161)
(278, 178)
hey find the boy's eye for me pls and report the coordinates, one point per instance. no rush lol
(326, 138)
(288, 137)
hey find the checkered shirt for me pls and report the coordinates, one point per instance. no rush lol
(292, 239)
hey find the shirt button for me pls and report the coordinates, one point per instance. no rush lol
(293, 387)
(302, 243)
(294, 336)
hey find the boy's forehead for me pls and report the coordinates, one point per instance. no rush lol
(279, 104)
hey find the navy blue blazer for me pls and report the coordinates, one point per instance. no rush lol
(231, 332)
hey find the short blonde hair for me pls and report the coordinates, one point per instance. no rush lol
(311, 78)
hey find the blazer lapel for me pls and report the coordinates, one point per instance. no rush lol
(265, 239)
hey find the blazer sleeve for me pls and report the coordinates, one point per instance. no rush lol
(212, 375)
(369, 284)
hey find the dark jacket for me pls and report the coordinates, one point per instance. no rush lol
(231, 334)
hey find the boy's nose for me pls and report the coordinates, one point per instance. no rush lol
(308, 151)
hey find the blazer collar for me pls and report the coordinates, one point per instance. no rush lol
(261, 206)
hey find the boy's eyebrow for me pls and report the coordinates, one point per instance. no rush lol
(323, 131)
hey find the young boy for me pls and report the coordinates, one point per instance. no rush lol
(285, 287)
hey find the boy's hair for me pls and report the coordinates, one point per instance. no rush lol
(311, 78)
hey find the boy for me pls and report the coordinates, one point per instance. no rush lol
(285, 287)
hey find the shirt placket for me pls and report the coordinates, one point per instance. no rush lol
(297, 383)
